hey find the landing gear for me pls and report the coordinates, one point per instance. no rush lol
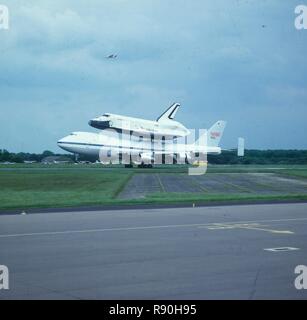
(143, 165)
(76, 157)
(130, 165)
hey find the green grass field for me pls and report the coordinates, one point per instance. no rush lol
(39, 186)
(58, 188)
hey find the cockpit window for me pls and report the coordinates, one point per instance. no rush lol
(106, 115)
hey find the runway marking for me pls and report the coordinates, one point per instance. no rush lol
(98, 230)
(249, 226)
(145, 228)
(197, 184)
(281, 249)
(160, 182)
(237, 186)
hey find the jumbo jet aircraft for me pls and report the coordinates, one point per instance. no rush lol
(130, 150)
(165, 126)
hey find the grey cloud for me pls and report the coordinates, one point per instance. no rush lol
(212, 56)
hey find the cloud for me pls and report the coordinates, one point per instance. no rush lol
(216, 58)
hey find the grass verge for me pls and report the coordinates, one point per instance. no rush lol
(71, 186)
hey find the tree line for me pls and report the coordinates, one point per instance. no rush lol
(261, 157)
(6, 156)
(227, 157)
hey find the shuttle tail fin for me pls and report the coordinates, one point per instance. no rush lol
(170, 113)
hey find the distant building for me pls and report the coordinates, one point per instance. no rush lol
(56, 159)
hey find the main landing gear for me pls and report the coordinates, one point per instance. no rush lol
(143, 165)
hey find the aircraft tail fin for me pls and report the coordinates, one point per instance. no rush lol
(214, 134)
(170, 113)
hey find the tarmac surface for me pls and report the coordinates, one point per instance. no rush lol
(223, 252)
(144, 184)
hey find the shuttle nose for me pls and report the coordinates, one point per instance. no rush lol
(99, 124)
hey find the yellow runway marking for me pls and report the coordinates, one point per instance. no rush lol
(248, 226)
(160, 183)
(213, 226)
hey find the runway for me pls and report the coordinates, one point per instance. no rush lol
(145, 184)
(222, 252)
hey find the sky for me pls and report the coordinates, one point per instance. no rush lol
(242, 61)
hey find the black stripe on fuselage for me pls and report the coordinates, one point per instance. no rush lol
(103, 145)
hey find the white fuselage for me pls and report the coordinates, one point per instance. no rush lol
(164, 128)
(96, 144)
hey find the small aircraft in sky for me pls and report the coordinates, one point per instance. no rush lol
(112, 56)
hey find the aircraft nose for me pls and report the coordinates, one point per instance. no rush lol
(61, 141)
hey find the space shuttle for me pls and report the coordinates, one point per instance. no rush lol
(165, 125)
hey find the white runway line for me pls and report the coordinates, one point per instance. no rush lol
(49, 233)
(247, 226)
(281, 249)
